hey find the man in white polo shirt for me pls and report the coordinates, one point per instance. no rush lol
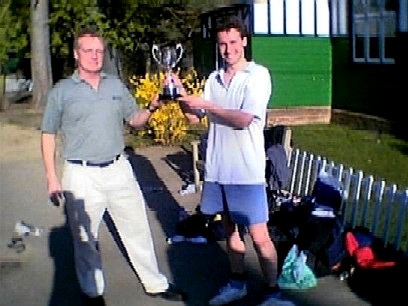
(235, 100)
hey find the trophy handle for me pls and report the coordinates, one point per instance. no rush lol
(180, 50)
(155, 49)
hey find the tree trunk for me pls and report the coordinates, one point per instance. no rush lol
(41, 69)
(113, 64)
(4, 101)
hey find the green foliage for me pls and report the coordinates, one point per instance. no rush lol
(66, 18)
(167, 126)
(379, 154)
(130, 26)
(3, 21)
(137, 25)
(14, 17)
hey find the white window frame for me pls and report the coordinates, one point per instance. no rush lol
(373, 24)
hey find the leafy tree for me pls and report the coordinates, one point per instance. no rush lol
(137, 26)
(4, 21)
(14, 16)
(14, 41)
(130, 26)
(66, 18)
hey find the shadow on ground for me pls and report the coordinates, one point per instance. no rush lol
(182, 163)
(65, 282)
(197, 269)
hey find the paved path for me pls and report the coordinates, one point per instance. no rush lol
(43, 274)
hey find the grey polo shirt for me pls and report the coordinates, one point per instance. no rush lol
(90, 121)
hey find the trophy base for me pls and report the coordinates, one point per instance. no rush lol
(166, 97)
(169, 94)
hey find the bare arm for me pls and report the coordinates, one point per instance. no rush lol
(141, 117)
(48, 151)
(191, 105)
(191, 115)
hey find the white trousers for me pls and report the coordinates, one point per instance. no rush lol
(89, 192)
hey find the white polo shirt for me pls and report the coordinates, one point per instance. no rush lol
(237, 156)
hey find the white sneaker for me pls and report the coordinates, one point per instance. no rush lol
(228, 294)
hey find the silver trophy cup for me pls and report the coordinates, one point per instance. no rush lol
(167, 57)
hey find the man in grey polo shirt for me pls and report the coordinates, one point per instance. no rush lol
(89, 110)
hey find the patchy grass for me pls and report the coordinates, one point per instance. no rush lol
(375, 153)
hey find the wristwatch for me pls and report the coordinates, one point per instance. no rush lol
(152, 108)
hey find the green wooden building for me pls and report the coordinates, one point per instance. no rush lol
(322, 54)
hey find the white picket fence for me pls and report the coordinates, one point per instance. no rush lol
(367, 202)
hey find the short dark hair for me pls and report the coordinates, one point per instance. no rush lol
(90, 31)
(225, 25)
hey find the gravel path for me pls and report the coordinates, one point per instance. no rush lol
(18, 143)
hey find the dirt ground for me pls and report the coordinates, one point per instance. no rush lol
(19, 133)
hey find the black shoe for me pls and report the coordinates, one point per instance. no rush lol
(172, 293)
(92, 301)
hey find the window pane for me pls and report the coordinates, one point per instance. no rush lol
(374, 21)
(359, 47)
(374, 48)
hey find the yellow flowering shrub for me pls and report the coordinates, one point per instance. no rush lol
(166, 126)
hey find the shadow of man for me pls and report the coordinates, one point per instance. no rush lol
(65, 291)
(199, 269)
(158, 198)
(181, 162)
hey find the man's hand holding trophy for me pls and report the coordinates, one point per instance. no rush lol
(167, 58)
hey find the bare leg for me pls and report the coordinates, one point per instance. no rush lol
(235, 247)
(266, 252)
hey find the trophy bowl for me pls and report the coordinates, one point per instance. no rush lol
(167, 58)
